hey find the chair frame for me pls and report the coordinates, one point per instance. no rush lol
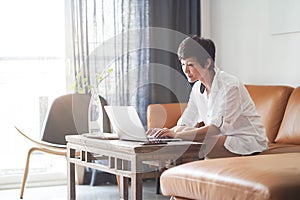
(45, 147)
(48, 144)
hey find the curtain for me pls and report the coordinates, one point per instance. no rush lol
(138, 39)
(101, 39)
(177, 19)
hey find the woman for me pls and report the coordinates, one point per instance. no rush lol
(230, 123)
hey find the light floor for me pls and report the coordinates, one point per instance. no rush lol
(83, 192)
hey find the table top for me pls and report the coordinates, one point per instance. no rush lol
(132, 146)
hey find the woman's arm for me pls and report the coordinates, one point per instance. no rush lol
(188, 133)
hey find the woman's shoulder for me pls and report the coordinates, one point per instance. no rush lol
(227, 80)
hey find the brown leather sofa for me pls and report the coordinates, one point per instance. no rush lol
(273, 174)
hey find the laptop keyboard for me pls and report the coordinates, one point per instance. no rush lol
(154, 139)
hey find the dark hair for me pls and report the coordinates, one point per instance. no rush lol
(197, 47)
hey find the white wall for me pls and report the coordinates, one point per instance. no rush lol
(245, 45)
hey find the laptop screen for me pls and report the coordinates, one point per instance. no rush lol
(126, 123)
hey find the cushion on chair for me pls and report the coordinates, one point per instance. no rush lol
(62, 118)
(251, 177)
(164, 115)
(68, 115)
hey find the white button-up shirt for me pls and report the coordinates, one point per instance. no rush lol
(229, 107)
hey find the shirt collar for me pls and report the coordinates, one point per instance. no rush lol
(214, 84)
(202, 88)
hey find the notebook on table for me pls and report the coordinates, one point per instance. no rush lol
(128, 126)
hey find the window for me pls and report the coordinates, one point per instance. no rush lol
(32, 72)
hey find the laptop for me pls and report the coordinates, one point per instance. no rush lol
(128, 126)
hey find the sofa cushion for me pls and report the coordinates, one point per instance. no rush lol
(164, 115)
(270, 102)
(250, 177)
(289, 132)
(275, 148)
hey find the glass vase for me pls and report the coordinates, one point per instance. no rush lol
(95, 113)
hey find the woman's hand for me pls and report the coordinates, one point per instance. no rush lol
(152, 131)
(161, 133)
(165, 133)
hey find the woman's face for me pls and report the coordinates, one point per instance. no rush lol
(192, 69)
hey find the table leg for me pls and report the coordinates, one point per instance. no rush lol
(124, 188)
(71, 176)
(137, 186)
(157, 180)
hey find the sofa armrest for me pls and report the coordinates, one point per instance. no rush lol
(164, 115)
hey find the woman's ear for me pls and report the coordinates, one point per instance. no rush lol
(208, 63)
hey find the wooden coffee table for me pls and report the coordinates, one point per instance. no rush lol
(127, 159)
